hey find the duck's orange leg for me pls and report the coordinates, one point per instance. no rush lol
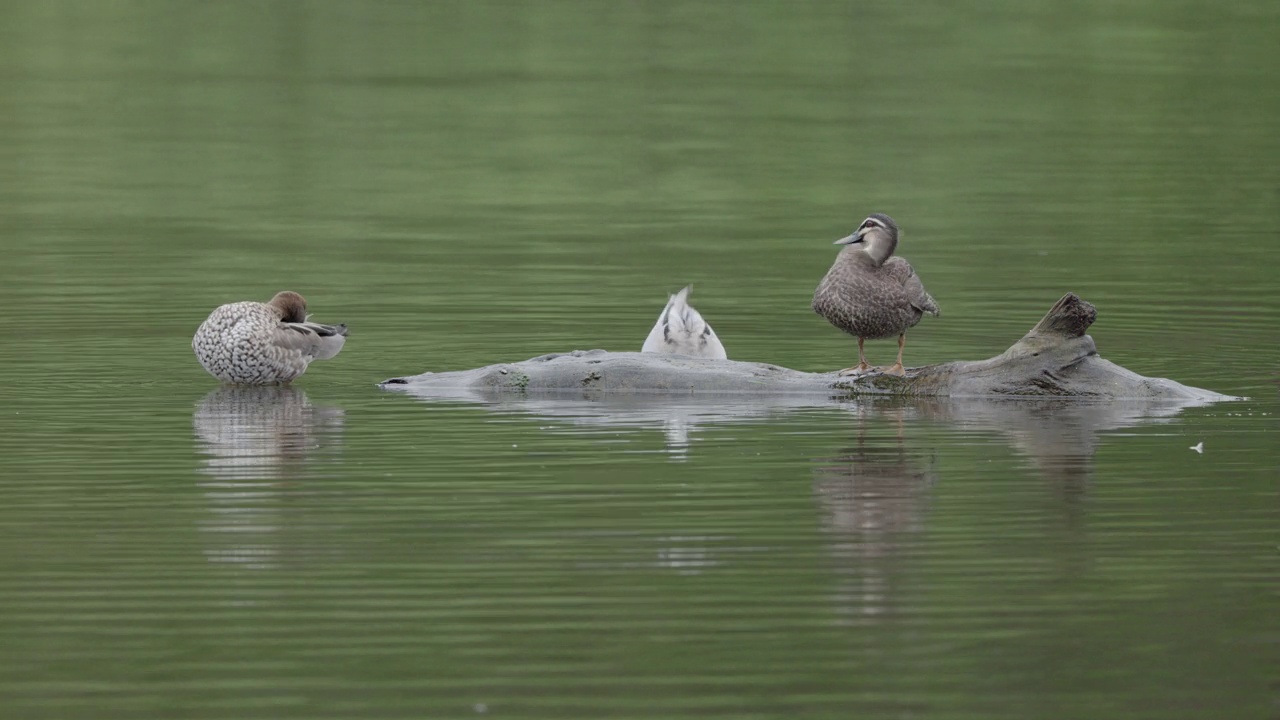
(862, 365)
(896, 368)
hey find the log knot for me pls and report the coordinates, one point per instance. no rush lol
(1070, 317)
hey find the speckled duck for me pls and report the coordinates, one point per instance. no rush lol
(680, 330)
(870, 294)
(253, 343)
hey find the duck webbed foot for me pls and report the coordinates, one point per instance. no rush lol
(860, 369)
(894, 369)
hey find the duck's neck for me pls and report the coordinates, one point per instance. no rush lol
(880, 247)
(861, 257)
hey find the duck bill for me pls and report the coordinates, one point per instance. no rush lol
(849, 239)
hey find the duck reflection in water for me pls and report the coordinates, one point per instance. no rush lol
(872, 499)
(873, 494)
(255, 442)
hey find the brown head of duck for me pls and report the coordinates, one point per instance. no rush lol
(291, 306)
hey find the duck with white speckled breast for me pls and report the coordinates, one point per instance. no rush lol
(253, 343)
(870, 294)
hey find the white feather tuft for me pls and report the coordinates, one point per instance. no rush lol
(680, 330)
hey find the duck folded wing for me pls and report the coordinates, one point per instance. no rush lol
(919, 298)
(317, 341)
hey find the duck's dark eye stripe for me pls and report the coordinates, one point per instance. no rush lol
(872, 223)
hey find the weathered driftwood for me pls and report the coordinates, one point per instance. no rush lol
(1056, 358)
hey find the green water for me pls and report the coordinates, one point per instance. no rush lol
(468, 183)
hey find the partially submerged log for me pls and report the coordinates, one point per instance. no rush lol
(1056, 358)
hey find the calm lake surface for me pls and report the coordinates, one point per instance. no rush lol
(469, 183)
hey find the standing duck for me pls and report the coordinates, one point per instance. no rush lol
(253, 343)
(870, 294)
(680, 330)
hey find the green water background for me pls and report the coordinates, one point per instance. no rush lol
(467, 183)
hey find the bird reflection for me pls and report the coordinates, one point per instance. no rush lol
(1060, 435)
(254, 441)
(262, 433)
(873, 493)
(679, 417)
(872, 498)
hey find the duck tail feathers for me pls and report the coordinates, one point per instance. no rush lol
(681, 330)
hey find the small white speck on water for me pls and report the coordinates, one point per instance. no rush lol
(514, 445)
(1198, 447)
(480, 708)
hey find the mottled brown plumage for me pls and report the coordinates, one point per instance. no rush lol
(870, 294)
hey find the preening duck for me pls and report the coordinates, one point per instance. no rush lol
(253, 343)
